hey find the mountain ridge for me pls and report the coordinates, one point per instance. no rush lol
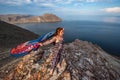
(19, 18)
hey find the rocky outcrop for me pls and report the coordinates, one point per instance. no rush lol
(29, 19)
(79, 60)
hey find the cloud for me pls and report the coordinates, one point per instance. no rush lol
(20, 2)
(48, 5)
(91, 0)
(15, 2)
(112, 10)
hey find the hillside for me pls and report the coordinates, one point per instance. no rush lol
(17, 18)
(79, 60)
(11, 35)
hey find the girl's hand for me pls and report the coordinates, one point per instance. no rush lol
(40, 44)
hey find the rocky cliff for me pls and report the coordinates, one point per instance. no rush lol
(79, 60)
(29, 19)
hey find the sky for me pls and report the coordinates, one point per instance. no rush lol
(66, 9)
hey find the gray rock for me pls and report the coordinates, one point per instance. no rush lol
(79, 60)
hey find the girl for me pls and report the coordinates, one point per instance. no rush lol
(54, 57)
(56, 38)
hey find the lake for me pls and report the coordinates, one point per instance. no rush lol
(104, 34)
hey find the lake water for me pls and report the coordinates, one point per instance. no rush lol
(104, 34)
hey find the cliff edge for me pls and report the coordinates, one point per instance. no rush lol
(79, 60)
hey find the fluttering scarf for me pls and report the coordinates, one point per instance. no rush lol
(28, 46)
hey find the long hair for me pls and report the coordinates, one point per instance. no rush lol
(57, 32)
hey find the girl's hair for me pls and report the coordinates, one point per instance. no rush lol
(58, 31)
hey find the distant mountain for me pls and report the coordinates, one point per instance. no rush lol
(11, 35)
(17, 18)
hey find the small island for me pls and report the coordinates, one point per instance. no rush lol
(18, 18)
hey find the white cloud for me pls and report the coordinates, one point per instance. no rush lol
(95, 0)
(20, 2)
(88, 0)
(91, 0)
(112, 10)
(48, 5)
(15, 2)
(28, 1)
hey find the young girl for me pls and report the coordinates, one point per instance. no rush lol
(28, 46)
(56, 50)
(56, 38)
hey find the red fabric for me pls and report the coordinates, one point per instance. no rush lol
(23, 48)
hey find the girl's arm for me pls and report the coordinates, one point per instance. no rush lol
(49, 41)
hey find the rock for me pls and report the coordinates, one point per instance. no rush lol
(89, 73)
(79, 60)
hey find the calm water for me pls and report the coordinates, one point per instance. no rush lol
(106, 35)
